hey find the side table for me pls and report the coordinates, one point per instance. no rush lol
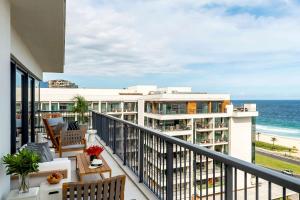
(51, 192)
(91, 133)
(33, 194)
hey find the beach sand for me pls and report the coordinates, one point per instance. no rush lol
(281, 140)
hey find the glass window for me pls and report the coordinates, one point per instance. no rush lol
(18, 108)
(103, 107)
(202, 107)
(216, 107)
(66, 106)
(37, 102)
(30, 87)
(114, 107)
(54, 106)
(95, 106)
(172, 108)
(45, 106)
(130, 107)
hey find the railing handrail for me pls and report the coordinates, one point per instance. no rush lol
(275, 177)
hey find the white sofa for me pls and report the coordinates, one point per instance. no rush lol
(58, 164)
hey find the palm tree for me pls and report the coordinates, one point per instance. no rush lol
(273, 139)
(290, 150)
(81, 107)
(294, 149)
(258, 134)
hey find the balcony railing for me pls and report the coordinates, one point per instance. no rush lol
(230, 176)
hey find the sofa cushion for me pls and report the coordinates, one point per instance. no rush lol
(57, 164)
(42, 149)
(91, 178)
(61, 126)
(55, 121)
(73, 126)
(73, 146)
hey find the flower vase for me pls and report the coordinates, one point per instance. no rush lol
(92, 157)
(23, 183)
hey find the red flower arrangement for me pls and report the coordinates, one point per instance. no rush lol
(94, 150)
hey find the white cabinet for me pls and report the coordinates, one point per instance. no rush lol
(51, 192)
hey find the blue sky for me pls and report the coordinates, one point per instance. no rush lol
(250, 49)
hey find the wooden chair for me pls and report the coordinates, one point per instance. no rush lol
(110, 188)
(70, 140)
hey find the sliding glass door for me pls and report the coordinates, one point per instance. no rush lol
(24, 104)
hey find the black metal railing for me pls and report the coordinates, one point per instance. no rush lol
(175, 169)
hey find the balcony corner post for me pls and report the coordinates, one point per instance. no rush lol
(125, 131)
(228, 182)
(114, 136)
(169, 171)
(141, 157)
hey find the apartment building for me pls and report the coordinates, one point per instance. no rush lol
(208, 120)
(61, 84)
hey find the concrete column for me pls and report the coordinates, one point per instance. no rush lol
(99, 106)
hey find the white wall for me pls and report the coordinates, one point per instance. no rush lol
(23, 54)
(240, 145)
(240, 138)
(4, 91)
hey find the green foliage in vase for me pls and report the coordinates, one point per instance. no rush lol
(22, 163)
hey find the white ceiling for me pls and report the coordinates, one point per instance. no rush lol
(41, 25)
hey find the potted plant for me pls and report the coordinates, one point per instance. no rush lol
(94, 151)
(22, 164)
(81, 107)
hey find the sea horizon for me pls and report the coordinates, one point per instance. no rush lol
(277, 117)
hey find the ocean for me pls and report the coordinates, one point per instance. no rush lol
(278, 117)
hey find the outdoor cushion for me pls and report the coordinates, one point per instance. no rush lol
(73, 146)
(55, 121)
(42, 149)
(91, 178)
(73, 126)
(61, 126)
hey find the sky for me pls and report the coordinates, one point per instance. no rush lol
(247, 48)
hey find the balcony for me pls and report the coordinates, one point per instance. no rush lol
(237, 179)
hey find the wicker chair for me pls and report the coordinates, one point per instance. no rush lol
(70, 140)
(110, 188)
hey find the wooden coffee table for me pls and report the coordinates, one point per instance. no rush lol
(83, 163)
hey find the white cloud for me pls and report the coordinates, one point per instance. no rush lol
(106, 38)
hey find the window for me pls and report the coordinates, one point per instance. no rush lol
(172, 108)
(114, 107)
(216, 107)
(66, 106)
(19, 107)
(25, 93)
(129, 107)
(202, 107)
(95, 106)
(45, 106)
(103, 107)
(54, 106)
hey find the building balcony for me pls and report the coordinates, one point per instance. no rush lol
(239, 178)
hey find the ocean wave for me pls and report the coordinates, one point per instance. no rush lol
(291, 132)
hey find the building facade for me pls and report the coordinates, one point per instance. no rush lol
(61, 84)
(208, 120)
